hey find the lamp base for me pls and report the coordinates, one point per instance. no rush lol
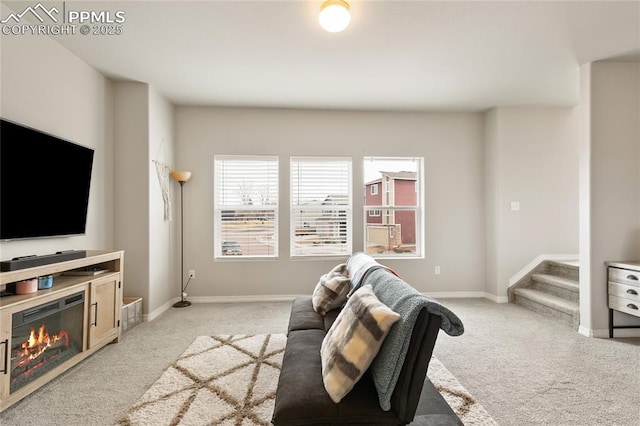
(182, 304)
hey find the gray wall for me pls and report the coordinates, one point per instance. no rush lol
(45, 87)
(131, 118)
(164, 278)
(451, 144)
(531, 157)
(144, 132)
(609, 184)
(130, 124)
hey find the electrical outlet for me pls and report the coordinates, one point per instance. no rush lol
(437, 270)
(192, 273)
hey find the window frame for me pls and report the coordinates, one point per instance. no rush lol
(346, 247)
(388, 209)
(221, 208)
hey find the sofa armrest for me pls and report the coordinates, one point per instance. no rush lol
(406, 394)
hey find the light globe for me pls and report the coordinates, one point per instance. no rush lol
(334, 15)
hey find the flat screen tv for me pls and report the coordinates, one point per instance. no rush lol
(44, 184)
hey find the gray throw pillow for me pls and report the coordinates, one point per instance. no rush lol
(331, 291)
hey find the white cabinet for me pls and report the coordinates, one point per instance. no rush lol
(623, 291)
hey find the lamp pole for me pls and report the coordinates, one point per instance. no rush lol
(181, 178)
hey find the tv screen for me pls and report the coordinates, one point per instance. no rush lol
(44, 184)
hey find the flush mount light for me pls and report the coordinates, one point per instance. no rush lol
(334, 15)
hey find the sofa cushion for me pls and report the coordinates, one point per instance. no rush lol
(332, 289)
(353, 341)
(303, 317)
(302, 400)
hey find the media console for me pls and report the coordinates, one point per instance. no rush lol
(45, 333)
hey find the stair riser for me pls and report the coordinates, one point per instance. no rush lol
(563, 271)
(573, 296)
(570, 320)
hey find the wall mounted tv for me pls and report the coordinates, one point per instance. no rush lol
(44, 184)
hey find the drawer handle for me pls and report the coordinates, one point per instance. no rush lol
(632, 306)
(632, 277)
(631, 291)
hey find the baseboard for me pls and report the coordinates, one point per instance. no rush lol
(496, 299)
(604, 333)
(244, 299)
(155, 314)
(290, 297)
(467, 295)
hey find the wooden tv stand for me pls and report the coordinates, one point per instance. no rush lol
(100, 312)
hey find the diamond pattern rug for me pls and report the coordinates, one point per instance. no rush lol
(218, 380)
(231, 380)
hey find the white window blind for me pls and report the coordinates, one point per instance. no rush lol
(246, 206)
(321, 206)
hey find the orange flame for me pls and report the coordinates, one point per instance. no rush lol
(34, 346)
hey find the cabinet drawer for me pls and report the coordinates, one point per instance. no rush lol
(627, 306)
(626, 291)
(624, 276)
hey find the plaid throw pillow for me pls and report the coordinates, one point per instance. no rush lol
(331, 291)
(353, 341)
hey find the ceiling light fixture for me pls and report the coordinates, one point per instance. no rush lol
(334, 15)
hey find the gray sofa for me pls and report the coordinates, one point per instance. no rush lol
(301, 398)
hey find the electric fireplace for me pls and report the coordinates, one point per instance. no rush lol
(44, 337)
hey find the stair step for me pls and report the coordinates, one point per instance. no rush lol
(569, 269)
(546, 299)
(566, 311)
(570, 264)
(554, 280)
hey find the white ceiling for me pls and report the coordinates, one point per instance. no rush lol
(395, 55)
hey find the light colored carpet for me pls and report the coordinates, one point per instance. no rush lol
(525, 369)
(232, 379)
(470, 411)
(218, 380)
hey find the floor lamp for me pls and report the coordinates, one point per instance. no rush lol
(182, 177)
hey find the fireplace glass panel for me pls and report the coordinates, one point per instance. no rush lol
(44, 337)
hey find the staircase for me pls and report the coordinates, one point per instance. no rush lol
(551, 289)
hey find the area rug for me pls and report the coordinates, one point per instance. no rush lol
(459, 399)
(231, 380)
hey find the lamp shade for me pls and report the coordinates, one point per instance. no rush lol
(181, 176)
(334, 15)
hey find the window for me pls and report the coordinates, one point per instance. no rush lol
(374, 189)
(246, 206)
(394, 222)
(321, 203)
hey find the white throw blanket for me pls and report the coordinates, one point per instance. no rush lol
(359, 265)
